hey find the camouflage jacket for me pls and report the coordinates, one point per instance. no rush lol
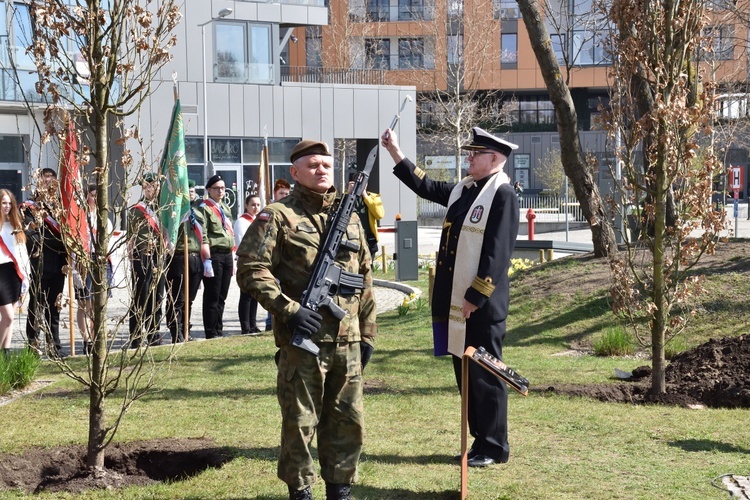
(276, 258)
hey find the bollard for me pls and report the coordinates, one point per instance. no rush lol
(550, 254)
(530, 216)
(542, 259)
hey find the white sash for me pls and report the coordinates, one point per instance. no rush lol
(468, 253)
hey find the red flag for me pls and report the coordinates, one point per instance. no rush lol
(71, 191)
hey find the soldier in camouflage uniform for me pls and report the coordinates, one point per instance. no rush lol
(281, 245)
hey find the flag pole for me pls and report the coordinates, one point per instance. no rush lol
(185, 259)
(71, 292)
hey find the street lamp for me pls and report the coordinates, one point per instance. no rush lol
(222, 13)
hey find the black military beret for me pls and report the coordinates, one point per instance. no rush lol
(213, 180)
(308, 147)
(481, 139)
(149, 177)
(49, 171)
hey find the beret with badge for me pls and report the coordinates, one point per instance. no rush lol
(308, 147)
(213, 180)
(481, 139)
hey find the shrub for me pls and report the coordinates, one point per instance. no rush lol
(18, 370)
(614, 342)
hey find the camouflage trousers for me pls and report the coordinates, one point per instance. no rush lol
(322, 394)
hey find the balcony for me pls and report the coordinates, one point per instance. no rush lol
(302, 74)
(385, 14)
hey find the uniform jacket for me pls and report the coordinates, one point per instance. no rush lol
(282, 243)
(218, 237)
(42, 240)
(143, 237)
(498, 243)
(193, 225)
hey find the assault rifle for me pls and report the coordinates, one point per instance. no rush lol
(327, 278)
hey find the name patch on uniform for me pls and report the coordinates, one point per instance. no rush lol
(264, 216)
(476, 214)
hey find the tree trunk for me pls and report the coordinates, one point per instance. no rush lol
(578, 171)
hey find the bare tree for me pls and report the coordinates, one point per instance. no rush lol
(579, 171)
(96, 61)
(663, 107)
(460, 97)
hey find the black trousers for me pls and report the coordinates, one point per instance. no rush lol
(148, 296)
(248, 310)
(176, 295)
(44, 288)
(215, 294)
(488, 395)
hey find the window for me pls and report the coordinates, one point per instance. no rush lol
(409, 10)
(410, 53)
(509, 48)
(378, 10)
(535, 110)
(313, 47)
(503, 9)
(242, 53)
(589, 48)
(455, 8)
(378, 53)
(455, 49)
(718, 45)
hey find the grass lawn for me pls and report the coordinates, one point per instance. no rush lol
(561, 447)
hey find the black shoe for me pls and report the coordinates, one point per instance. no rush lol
(88, 347)
(254, 331)
(338, 491)
(305, 494)
(470, 454)
(482, 461)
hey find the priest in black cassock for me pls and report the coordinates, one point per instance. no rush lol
(471, 290)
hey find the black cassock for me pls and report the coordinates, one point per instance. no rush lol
(488, 396)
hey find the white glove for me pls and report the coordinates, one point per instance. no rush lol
(24, 287)
(208, 268)
(77, 281)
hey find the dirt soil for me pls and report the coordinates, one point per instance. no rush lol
(133, 464)
(715, 374)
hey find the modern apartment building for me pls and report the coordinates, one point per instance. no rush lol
(235, 97)
(422, 42)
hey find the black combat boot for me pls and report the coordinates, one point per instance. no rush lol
(338, 491)
(304, 494)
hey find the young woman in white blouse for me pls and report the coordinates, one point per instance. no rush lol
(13, 281)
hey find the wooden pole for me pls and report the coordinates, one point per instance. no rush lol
(383, 257)
(465, 419)
(71, 296)
(186, 284)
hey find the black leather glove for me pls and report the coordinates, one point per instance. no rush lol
(365, 351)
(305, 321)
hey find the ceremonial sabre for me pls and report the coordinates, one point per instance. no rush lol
(398, 115)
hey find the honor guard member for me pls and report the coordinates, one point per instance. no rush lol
(321, 393)
(218, 263)
(470, 302)
(197, 244)
(147, 256)
(47, 260)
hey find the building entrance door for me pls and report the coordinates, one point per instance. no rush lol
(233, 198)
